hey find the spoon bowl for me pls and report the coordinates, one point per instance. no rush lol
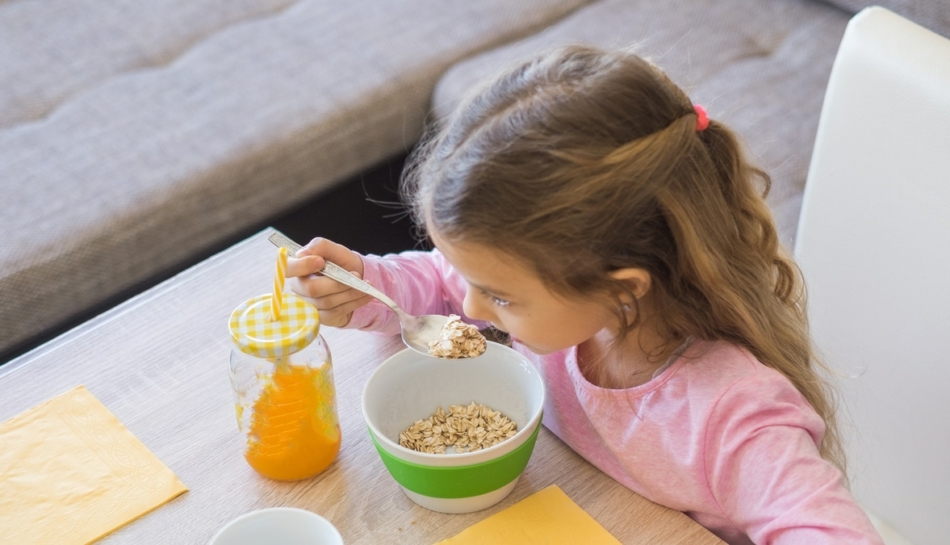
(417, 331)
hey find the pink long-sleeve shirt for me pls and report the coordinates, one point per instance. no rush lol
(715, 434)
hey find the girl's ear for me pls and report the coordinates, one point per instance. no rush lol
(638, 281)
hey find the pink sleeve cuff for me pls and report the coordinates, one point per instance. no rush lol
(374, 316)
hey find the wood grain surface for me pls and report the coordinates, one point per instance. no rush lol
(159, 362)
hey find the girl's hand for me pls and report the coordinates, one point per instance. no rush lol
(335, 301)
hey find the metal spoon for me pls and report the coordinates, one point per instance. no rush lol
(417, 331)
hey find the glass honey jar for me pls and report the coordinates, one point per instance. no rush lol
(282, 376)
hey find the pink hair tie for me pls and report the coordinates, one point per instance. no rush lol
(702, 120)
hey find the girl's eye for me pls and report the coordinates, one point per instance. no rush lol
(499, 302)
(495, 300)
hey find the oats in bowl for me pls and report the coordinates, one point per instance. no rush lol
(466, 428)
(457, 340)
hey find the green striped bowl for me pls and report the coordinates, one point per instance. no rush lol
(410, 386)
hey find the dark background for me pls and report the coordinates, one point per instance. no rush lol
(364, 214)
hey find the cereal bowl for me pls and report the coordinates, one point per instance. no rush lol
(410, 386)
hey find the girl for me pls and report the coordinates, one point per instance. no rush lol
(581, 203)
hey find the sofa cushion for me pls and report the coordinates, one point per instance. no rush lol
(124, 170)
(759, 66)
(57, 48)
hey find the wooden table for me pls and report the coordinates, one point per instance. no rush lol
(159, 363)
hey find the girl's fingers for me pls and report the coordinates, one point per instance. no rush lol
(340, 316)
(331, 303)
(335, 301)
(317, 287)
(331, 251)
(309, 282)
(304, 266)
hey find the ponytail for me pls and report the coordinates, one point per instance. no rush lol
(756, 292)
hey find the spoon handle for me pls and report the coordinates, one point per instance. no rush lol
(338, 273)
(344, 276)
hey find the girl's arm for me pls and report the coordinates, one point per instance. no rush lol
(419, 282)
(763, 468)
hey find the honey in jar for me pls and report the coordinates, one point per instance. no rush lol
(282, 376)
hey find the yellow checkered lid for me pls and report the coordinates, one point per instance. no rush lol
(255, 332)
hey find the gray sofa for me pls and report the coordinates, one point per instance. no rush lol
(137, 135)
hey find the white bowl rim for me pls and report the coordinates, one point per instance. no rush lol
(267, 510)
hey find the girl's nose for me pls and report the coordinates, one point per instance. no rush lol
(475, 308)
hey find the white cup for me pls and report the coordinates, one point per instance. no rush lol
(284, 525)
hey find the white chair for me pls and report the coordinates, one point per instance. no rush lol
(874, 245)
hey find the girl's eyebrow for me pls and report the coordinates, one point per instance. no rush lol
(490, 291)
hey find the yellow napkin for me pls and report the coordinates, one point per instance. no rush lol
(546, 517)
(70, 472)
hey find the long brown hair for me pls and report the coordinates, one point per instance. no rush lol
(582, 161)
